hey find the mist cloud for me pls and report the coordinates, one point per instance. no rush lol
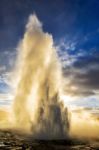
(36, 102)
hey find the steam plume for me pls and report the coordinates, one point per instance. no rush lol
(36, 105)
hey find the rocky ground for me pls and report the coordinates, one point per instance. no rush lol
(12, 141)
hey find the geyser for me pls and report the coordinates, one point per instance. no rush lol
(37, 105)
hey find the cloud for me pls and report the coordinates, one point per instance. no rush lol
(69, 45)
(6, 93)
(85, 102)
(7, 60)
(82, 80)
(80, 70)
(63, 50)
(7, 80)
(86, 74)
(2, 69)
(7, 66)
(5, 101)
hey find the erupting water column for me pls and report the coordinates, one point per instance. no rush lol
(36, 105)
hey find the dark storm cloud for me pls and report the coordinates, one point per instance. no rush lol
(87, 61)
(83, 76)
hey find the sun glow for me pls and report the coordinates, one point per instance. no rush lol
(67, 99)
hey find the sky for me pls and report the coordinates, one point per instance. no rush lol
(74, 25)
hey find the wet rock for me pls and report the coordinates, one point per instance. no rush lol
(13, 141)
